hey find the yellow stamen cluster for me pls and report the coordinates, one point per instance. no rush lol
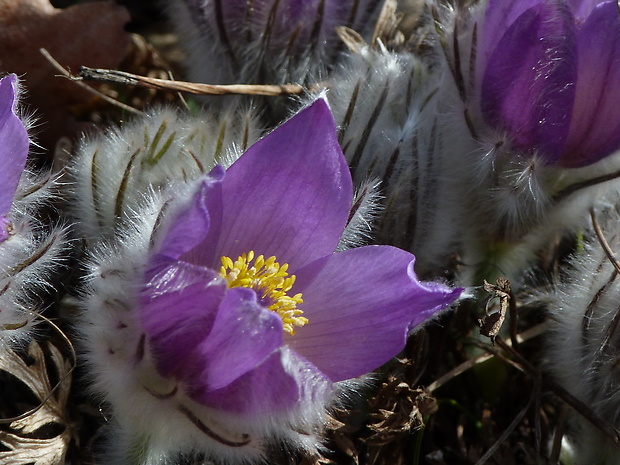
(270, 281)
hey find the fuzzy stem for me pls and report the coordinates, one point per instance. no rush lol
(418, 441)
(490, 267)
(136, 452)
(571, 189)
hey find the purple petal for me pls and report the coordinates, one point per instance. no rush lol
(243, 336)
(14, 143)
(498, 17)
(191, 225)
(529, 80)
(268, 40)
(217, 341)
(595, 125)
(288, 20)
(289, 195)
(306, 22)
(267, 388)
(582, 8)
(361, 304)
(178, 306)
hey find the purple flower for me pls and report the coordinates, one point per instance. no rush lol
(266, 41)
(14, 150)
(247, 334)
(551, 77)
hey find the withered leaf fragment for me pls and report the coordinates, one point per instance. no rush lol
(90, 34)
(25, 447)
(491, 323)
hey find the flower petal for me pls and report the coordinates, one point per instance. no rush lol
(267, 32)
(192, 224)
(14, 143)
(361, 304)
(178, 306)
(267, 388)
(595, 125)
(289, 195)
(243, 336)
(582, 8)
(308, 24)
(529, 79)
(498, 17)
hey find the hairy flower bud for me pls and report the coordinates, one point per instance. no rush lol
(266, 41)
(116, 170)
(529, 119)
(584, 343)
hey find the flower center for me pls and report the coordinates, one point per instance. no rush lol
(271, 283)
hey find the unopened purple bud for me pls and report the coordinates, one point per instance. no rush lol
(266, 41)
(550, 77)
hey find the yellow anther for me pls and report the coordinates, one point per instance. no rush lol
(270, 281)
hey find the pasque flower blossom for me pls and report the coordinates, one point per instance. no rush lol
(551, 77)
(241, 323)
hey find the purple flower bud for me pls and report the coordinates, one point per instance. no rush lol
(550, 76)
(265, 41)
(13, 149)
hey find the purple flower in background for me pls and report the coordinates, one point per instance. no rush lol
(266, 41)
(551, 77)
(13, 149)
(249, 334)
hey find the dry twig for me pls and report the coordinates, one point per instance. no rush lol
(86, 87)
(121, 77)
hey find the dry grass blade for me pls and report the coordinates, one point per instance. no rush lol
(121, 77)
(351, 38)
(584, 410)
(387, 23)
(580, 407)
(68, 75)
(468, 364)
(556, 448)
(513, 424)
(604, 244)
(572, 188)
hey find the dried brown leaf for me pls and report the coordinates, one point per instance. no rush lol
(25, 451)
(24, 447)
(90, 34)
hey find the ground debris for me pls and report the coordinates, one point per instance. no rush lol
(42, 434)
